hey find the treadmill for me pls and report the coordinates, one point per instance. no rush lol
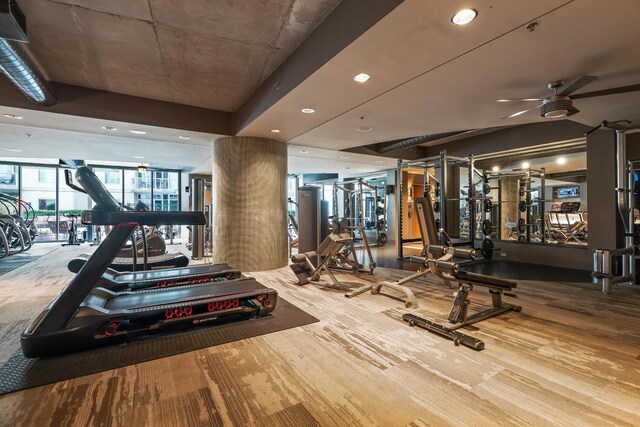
(84, 316)
(131, 281)
(122, 264)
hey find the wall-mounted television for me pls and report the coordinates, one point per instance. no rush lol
(568, 192)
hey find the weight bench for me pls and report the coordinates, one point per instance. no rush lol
(305, 269)
(445, 268)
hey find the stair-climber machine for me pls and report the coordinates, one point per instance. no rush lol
(85, 316)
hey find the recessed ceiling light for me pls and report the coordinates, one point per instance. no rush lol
(184, 137)
(275, 130)
(142, 169)
(13, 150)
(344, 157)
(138, 132)
(308, 110)
(561, 160)
(304, 151)
(525, 165)
(495, 168)
(464, 16)
(364, 129)
(138, 157)
(111, 128)
(13, 116)
(362, 77)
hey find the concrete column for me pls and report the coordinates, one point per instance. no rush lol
(249, 203)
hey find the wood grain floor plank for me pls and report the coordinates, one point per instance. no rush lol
(571, 357)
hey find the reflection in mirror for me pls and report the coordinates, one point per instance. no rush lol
(537, 196)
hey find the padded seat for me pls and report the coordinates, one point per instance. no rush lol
(482, 279)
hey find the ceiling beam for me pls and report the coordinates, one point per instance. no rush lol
(348, 21)
(99, 104)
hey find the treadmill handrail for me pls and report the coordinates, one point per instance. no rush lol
(157, 218)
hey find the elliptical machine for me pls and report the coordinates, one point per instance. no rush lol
(73, 238)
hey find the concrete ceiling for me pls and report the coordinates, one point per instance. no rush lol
(205, 53)
(429, 76)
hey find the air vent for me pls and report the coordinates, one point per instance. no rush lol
(13, 23)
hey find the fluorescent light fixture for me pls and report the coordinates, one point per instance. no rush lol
(362, 77)
(495, 168)
(344, 157)
(109, 128)
(464, 16)
(142, 169)
(13, 150)
(13, 116)
(275, 130)
(308, 110)
(364, 129)
(525, 165)
(138, 157)
(304, 151)
(184, 137)
(138, 132)
(561, 160)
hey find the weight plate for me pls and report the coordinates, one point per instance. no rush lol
(487, 248)
(487, 227)
(381, 224)
(382, 239)
(486, 188)
(522, 206)
(437, 192)
(436, 207)
(521, 192)
(379, 210)
(487, 205)
(379, 199)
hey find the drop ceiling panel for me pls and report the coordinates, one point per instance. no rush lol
(413, 39)
(461, 94)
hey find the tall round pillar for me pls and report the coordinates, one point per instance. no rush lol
(249, 203)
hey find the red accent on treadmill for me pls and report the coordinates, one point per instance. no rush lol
(223, 305)
(266, 302)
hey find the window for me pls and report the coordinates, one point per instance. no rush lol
(112, 176)
(47, 175)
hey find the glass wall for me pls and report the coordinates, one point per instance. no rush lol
(54, 203)
(39, 189)
(166, 191)
(137, 188)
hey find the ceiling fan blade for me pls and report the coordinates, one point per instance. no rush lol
(522, 112)
(519, 99)
(578, 84)
(612, 91)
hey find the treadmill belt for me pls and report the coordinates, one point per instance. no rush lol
(20, 373)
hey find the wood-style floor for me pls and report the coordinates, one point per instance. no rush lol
(570, 358)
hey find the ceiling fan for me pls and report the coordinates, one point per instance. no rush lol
(560, 104)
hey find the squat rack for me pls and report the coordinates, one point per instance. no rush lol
(440, 179)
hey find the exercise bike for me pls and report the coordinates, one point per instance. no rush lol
(72, 232)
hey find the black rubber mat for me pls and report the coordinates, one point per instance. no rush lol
(19, 373)
(12, 262)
